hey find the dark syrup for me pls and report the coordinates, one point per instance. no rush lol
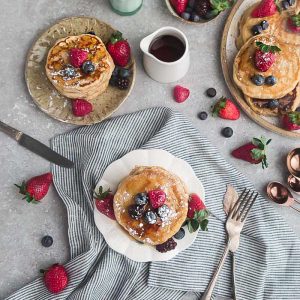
(167, 48)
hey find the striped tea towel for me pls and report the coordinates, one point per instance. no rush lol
(268, 260)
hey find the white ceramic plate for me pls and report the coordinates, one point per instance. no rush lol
(115, 236)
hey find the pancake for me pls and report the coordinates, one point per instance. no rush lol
(144, 179)
(247, 22)
(288, 103)
(285, 69)
(85, 86)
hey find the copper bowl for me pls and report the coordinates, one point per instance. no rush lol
(175, 14)
(293, 162)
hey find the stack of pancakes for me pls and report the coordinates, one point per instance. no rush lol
(84, 86)
(144, 179)
(286, 68)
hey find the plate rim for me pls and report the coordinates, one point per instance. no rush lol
(227, 74)
(73, 122)
(174, 157)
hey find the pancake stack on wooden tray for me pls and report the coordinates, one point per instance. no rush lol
(267, 66)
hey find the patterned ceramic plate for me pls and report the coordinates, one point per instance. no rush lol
(47, 97)
(117, 238)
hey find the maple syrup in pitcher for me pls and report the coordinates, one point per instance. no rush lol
(167, 48)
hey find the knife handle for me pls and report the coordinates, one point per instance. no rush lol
(12, 132)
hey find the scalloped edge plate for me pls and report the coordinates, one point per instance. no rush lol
(116, 237)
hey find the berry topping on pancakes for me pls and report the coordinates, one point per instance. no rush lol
(169, 245)
(265, 9)
(77, 57)
(265, 56)
(157, 198)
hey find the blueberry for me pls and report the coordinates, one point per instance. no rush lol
(113, 81)
(124, 73)
(258, 79)
(47, 241)
(191, 3)
(195, 17)
(150, 217)
(69, 71)
(291, 2)
(264, 24)
(273, 104)
(285, 4)
(116, 71)
(271, 80)
(227, 132)
(141, 199)
(91, 32)
(202, 115)
(163, 211)
(88, 67)
(257, 29)
(185, 15)
(180, 234)
(189, 10)
(298, 109)
(136, 211)
(211, 92)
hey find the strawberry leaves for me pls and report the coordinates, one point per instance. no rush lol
(267, 48)
(221, 5)
(259, 153)
(116, 37)
(101, 193)
(219, 105)
(294, 117)
(200, 220)
(23, 190)
(296, 20)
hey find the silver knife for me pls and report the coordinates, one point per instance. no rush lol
(36, 146)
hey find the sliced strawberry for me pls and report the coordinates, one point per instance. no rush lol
(81, 107)
(291, 121)
(77, 57)
(254, 152)
(265, 9)
(157, 198)
(226, 109)
(181, 93)
(179, 5)
(104, 202)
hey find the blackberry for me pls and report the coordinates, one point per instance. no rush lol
(202, 7)
(47, 241)
(122, 83)
(136, 211)
(169, 245)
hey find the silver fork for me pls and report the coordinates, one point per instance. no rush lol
(234, 225)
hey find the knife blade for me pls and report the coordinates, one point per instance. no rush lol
(35, 146)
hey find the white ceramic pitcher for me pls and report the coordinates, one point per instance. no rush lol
(161, 71)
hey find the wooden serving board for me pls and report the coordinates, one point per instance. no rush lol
(228, 53)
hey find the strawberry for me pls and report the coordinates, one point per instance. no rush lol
(226, 109)
(77, 57)
(36, 188)
(55, 278)
(254, 152)
(293, 23)
(197, 215)
(265, 56)
(81, 107)
(265, 9)
(181, 93)
(104, 202)
(119, 49)
(291, 121)
(157, 198)
(179, 5)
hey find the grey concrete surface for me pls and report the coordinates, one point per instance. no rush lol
(22, 225)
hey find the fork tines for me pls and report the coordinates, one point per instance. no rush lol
(243, 205)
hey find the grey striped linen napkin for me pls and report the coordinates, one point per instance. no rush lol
(268, 260)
